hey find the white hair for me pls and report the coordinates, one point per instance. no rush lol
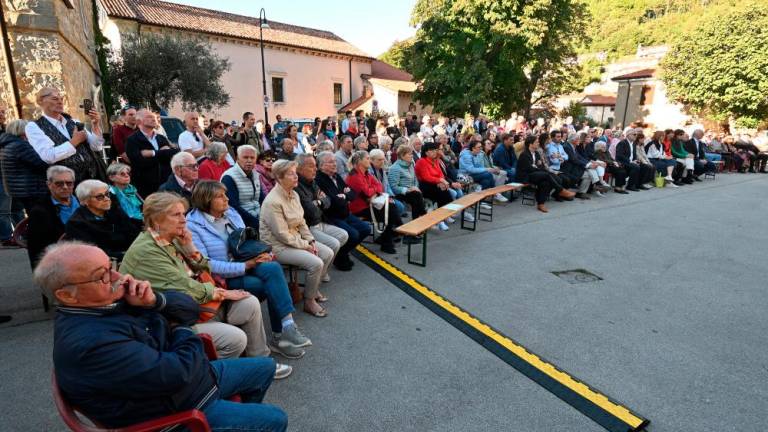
(244, 148)
(215, 150)
(179, 158)
(375, 153)
(86, 188)
(55, 170)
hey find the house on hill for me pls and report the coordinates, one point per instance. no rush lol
(390, 88)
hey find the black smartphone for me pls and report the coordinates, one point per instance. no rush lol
(87, 106)
(79, 126)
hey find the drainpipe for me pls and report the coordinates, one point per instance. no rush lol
(350, 79)
(626, 105)
(9, 61)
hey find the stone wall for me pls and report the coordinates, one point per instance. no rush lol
(52, 45)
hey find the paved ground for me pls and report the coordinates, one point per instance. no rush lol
(676, 329)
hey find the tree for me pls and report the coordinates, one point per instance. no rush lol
(720, 69)
(513, 53)
(399, 54)
(159, 70)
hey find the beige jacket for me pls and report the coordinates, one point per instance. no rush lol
(281, 221)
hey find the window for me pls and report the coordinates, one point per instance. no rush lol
(277, 90)
(646, 98)
(337, 93)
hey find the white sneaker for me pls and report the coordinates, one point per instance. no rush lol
(500, 198)
(603, 183)
(600, 194)
(669, 178)
(442, 226)
(450, 220)
(469, 217)
(672, 184)
(282, 371)
(485, 206)
(326, 278)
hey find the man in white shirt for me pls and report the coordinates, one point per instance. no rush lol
(193, 140)
(57, 137)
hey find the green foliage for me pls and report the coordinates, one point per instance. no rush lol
(159, 70)
(575, 110)
(511, 53)
(720, 68)
(621, 25)
(399, 54)
(102, 54)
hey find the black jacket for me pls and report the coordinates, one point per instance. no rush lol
(44, 229)
(699, 153)
(148, 173)
(339, 208)
(624, 152)
(576, 164)
(525, 166)
(312, 204)
(172, 185)
(123, 365)
(23, 170)
(113, 234)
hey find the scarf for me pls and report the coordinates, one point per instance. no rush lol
(129, 201)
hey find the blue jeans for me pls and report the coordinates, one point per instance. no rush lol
(357, 230)
(511, 174)
(456, 193)
(250, 377)
(713, 157)
(484, 179)
(267, 281)
(11, 213)
(400, 206)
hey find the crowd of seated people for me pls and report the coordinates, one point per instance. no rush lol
(166, 215)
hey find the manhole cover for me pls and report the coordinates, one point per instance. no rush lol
(577, 276)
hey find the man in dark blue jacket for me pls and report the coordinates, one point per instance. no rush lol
(504, 155)
(124, 354)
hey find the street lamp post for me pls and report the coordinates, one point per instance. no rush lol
(262, 25)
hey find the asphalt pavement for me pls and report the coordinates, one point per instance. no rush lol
(675, 329)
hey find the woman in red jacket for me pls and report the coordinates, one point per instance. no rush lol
(432, 182)
(366, 188)
(214, 166)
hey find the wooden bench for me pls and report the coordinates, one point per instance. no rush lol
(421, 225)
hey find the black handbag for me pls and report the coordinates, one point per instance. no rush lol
(244, 244)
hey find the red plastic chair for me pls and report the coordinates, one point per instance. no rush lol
(194, 419)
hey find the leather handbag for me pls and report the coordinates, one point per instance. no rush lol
(244, 244)
(210, 309)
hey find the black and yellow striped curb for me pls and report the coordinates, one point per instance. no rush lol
(608, 413)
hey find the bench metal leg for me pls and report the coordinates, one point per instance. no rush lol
(487, 213)
(473, 225)
(423, 262)
(527, 197)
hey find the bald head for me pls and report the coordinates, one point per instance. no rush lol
(69, 271)
(191, 121)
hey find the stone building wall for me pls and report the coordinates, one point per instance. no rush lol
(51, 45)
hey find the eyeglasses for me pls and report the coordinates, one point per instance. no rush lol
(193, 166)
(104, 278)
(268, 160)
(124, 173)
(101, 197)
(60, 183)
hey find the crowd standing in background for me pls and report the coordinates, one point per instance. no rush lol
(141, 249)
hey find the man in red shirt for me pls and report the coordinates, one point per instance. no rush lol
(121, 133)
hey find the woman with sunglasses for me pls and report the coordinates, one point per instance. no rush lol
(127, 195)
(100, 221)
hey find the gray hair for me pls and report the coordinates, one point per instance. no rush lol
(86, 188)
(385, 140)
(302, 158)
(215, 150)
(179, 158)
(326, 145)
(281, 166)
(356, 157)
(51, 272)
(400, 141)
(359, 140)
(323, 155)
(377, 153)
(17, 127)
(600, 145)
(115, 169)
(572, 138)
(55, 170)
(244, 148)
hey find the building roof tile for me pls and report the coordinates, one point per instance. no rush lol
(642, 73)
(194, 19)
(598, 100)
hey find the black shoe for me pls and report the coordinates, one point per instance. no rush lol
(4, 318)
(678, 183)
(388, 248)
(633, 189)
(697, 178)
(582, 196)
(688, 180)
(621, 191)
(344, 265)
(411, 240)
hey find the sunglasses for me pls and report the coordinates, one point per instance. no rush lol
(191, 166)
(268, 160)
(101, 197)
(61, 183)
(124, 173)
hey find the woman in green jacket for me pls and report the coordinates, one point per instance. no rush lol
(682, 155)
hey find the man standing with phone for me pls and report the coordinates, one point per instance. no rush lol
(59, 139)
(193, 140)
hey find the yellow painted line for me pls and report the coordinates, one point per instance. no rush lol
(563, 378)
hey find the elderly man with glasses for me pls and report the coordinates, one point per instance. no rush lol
(124, 354)
(184, 177)
(48, 216)
(60, 139)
